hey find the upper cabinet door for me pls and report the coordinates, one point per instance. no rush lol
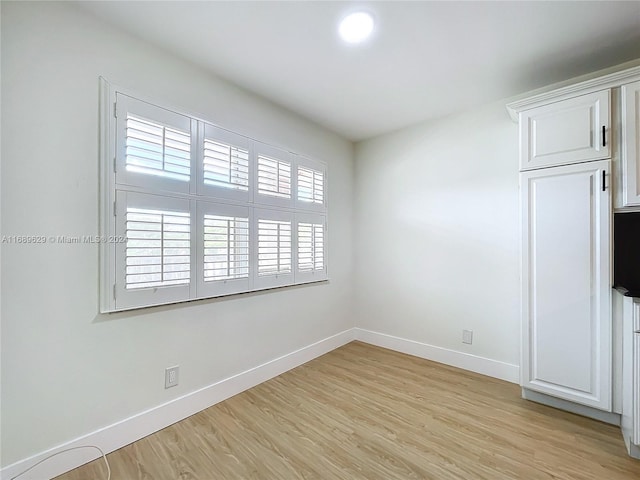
(570, 131)
(631, 144)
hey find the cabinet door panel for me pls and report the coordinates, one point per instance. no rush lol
(631, 144)
(566, 282)
(570, 131)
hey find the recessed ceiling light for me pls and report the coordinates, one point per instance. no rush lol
(356, 27)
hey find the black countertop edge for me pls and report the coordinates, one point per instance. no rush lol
(626, 292)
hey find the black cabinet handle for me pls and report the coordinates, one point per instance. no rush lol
(604, 136)
(604, 180)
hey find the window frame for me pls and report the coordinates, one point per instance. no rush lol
(119, 188)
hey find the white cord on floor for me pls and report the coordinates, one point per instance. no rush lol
(64, 451)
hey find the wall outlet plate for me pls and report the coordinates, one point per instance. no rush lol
(467, 336)
(171, 376)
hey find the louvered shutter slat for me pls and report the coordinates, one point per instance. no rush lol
(226, 247)
(156, 149)
(157, 253)
(274, 247)
(310, 185)
(226, 165)
(310, 247)
(274, 177)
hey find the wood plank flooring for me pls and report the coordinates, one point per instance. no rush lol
(362, 412)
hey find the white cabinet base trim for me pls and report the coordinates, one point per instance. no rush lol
(606, 417)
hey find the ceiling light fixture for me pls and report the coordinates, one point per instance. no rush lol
(356, 27)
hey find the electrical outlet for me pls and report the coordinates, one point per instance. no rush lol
(171, 375)
(467, 336)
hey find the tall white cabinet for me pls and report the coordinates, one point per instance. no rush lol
(580, 162)
(566, 312)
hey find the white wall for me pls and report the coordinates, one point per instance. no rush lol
(437, 233)
(67, 370)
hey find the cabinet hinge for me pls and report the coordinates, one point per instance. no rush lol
(115, 109)
(115, 169)
(115, 209)
(114, 291)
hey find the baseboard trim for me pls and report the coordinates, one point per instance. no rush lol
(632, 450)
(571, 407)
(138, 426)
(466, 361)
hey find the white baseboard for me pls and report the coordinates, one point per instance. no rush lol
(145, 423)
(466, 361)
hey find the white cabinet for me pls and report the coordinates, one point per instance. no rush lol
(566, 292)
(565, 132)
(630, 421)
(630, 94)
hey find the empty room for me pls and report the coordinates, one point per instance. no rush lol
(376, 240)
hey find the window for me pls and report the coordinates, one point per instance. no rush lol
(197, 211)
(157, 149)
(225, 165)
(311, 240)
(274, 247)
(157, 252)
(226, 247)
(274, 177)
(310, 185)
(310, 247)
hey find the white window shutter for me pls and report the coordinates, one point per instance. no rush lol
(225, 166)
(154, 146)
(153, 265)
(274, 256)
(310, 184)
(204, 212)
(158, 251)
(311, 234)
(274, 176)
(223, 252)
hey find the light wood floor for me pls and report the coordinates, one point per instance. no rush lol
(362, 412)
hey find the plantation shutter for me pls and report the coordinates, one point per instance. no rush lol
(274, 248)
(274, 176)
(310, 184)
(311, 247)
(154, 264)
(223, 251)
(154, 146)
(226, 247)
(225, 164)
(158, 252)
(156, 149)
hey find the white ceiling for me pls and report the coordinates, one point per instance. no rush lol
(426, 60)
